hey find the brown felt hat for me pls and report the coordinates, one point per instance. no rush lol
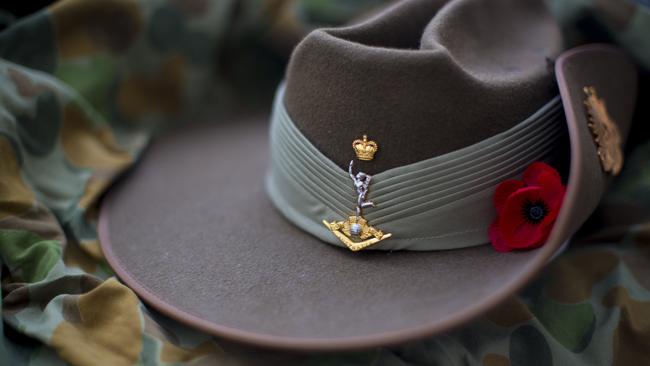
(192, 230)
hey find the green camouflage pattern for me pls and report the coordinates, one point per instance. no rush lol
(85, 84)
(625, 22)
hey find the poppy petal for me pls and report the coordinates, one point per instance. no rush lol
(528, 236)
(554, 196)
(504, 190)
(495, 238)
(527, 209)
(541, 174)
(544, 176)
(515, 229)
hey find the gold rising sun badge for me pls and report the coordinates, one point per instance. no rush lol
(605, 132)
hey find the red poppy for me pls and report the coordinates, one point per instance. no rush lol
(526, 209)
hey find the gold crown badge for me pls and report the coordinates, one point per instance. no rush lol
(364, 148)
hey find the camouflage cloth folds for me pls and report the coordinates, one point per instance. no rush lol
(85, 84)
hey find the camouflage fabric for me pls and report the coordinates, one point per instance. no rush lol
(624, 22)
(85, 84)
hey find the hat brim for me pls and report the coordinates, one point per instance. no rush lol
(192, 232)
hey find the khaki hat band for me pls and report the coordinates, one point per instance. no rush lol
(444, 202)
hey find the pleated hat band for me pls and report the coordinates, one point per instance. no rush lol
(444, 202)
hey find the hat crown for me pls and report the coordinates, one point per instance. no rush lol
(423, 77)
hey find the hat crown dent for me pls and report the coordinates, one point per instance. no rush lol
(414, 78)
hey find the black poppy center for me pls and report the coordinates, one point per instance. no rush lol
(534, 211)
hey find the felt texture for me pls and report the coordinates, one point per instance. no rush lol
(423, 78)
(216, 254)
(439, 203)
(192, 231)
(216, 248)
(615, 79)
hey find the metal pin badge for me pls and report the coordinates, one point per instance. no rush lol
(355, 232)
